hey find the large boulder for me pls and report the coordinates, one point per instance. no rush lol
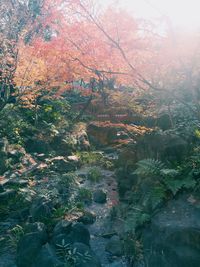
(63, 164)
(37, 227)
(87, 218)
(80, 234)
(47, 258)
(173, 237)
(41, 209)
(158, 145)
(28, 248)
(163, 145)
(107, 133)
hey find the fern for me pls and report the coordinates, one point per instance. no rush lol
(169, 173)
(154, 196)
(131, 221)
(135, 217)
(174, 185)
(143, 218)
(158, 194)
(149, 167)
(189, 183)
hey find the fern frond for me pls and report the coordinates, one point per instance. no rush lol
(189, 183)
(169, 173)
(174, 185)
(158, 194)
(148, 167)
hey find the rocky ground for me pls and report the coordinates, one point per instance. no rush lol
(35, 192)
(81, 208)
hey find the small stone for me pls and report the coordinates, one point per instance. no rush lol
(99, 196)
(87, 218)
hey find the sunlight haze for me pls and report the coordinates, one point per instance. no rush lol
(182, 13)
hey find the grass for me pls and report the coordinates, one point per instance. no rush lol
(94, 175)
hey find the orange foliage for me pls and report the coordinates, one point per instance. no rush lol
(82, 46)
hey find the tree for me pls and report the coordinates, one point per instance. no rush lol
(18, 20)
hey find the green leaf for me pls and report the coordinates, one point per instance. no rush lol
(149, 167)
(174, 185)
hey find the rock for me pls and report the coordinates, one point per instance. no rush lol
(62, 227)
(66, 232)
(73, 158)
(61, 164)
(87, 218)
(155, 145)
(28, 248)
(80, 234)
(159, 145)
(37, 227)
(122, 135)
(163, 121)
(68, 142)
(41, 209)
(89, 259)
(106, 133)
(65, 143)
(173, 237)
(47, 258)
(99, 196)
(114, 246)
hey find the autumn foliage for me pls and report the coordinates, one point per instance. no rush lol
(63, 44)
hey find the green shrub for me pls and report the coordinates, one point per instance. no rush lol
(90, 158)
(94, 175)
(70, 255)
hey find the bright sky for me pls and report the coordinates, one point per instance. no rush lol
(182, 13)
